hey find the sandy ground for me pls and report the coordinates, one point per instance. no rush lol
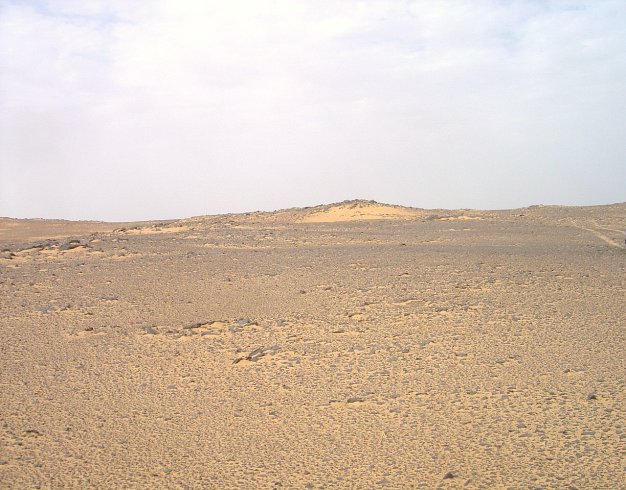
(20, 230)
(317, 348)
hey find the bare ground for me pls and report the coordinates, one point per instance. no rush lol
(356, 345)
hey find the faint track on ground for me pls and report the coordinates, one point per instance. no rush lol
(600, 235)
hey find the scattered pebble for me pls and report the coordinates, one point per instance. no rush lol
(354, 399)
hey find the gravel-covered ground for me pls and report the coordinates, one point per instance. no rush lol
(476, 349)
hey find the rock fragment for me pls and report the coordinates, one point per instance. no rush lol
(195, 325)
(258, 353)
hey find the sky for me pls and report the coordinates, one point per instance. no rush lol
(155, 109)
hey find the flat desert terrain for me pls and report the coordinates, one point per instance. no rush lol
(355, 345)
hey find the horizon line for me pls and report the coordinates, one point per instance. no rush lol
(300, 208)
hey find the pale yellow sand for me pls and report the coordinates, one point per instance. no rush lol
(341, 213)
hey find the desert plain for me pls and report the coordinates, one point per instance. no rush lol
(353, 345)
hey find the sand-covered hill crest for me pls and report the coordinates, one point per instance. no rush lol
(357, 210)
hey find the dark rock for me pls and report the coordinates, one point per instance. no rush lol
(258, 353)
(70, 245)
(245, 321)
(592, 396)
(354, 399)
(150, 331)
(195, 325)
(449, 475)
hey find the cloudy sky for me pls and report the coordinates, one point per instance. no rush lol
(146, 109)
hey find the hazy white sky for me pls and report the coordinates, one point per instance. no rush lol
(141, 109)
